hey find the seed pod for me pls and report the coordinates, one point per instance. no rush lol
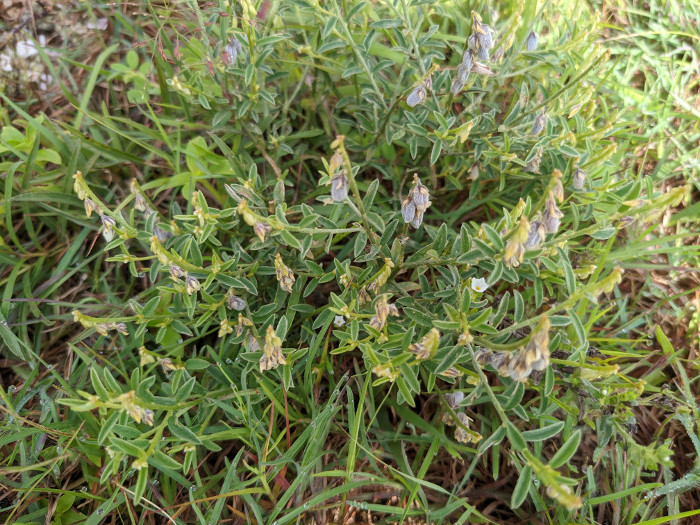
(531, 42)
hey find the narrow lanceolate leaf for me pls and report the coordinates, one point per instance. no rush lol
(567, 450)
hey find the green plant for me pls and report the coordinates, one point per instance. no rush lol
(338, 230)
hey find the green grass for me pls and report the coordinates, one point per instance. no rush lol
(170, 418)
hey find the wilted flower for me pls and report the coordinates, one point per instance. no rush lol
(607, 284)
(284, 274)
(518, 369)
(427, 346)
(140, 203)
(531, 42)
(539, 123)
(108, 223)
(178, 86)
(482, 356)
(536, 236)
(382, 310)
(362, 296)
(500, 361)
(534, 165)
(564, 495)
(339, 186)
(461, 433)
(261, 229)
(515, 247)
(451, 372)
(192, 285)
(479, 285)
(253, 345)
(453, 400)
(146, 357)
(414, 206)
(169, 365)
(232, 50)
(236, 303)
(224, 328)
(465, 338)
(272, 356)
(467, 62)
(419, 94)
(381, 278)
(90, 206)
(579, 179)
(557, 189)
(385, 370)
(147, 416)
(242, 322)
(176, 272)
(551, 219)
(161, 233)
(121, 328)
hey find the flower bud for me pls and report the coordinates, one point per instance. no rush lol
(579, 179)
(236, 303)
(176, 272)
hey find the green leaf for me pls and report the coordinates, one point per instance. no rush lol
(515, 437)
(521, 487)
(540, 434)
(183, 433)
(567, 450)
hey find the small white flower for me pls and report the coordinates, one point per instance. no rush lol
(339, 321)
(479, 285)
